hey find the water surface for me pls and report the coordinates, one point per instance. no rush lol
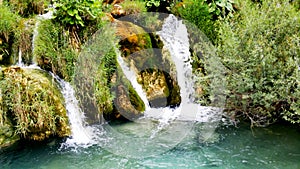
(277, 146)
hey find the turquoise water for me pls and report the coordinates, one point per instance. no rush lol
(277, 146)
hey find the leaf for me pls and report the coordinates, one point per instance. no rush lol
(71, 12)
(78, 17)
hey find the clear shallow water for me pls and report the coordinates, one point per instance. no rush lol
(273, 147)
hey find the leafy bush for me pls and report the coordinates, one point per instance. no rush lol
(260, 46)
(81, 18)
(197, 12)
(77, 12)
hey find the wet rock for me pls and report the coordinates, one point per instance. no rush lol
(127, 103)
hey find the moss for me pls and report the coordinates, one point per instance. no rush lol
(33, 104)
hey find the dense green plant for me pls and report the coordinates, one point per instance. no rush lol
(94, 69)
(77, 12)
(197, 12)
(9, 32)
(260, 46)
(53, 51)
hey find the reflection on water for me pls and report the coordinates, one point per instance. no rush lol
(273, 147)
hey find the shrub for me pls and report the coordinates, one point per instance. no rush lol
(82, 18)
(220, 8)
(77, 12)
(260, 46)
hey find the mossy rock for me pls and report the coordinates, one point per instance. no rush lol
(33, 103)
(161, 88)
(127, 103)
(7, 134)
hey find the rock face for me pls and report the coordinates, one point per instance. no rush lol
(31, 105)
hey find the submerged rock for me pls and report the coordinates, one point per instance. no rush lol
(33, 104)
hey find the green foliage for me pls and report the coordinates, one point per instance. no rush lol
(260, 46)
(197, 12)
(27, 8)
(8, 33)
(53, 51)
(220, 7)
(77, 12)
(33, 103)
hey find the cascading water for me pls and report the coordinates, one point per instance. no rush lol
(175, 38)
(131, 76)
(20, 62)
(82, 134)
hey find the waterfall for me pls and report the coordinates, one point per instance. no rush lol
(20, 62)
(175, 38)
(82, 135)
(131, 76)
